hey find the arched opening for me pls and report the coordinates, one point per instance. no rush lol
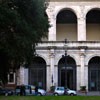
(69, 71)
(37, 72)
(66, 25)
(94, 74)
(93, 25)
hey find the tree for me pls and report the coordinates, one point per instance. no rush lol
(23, 23)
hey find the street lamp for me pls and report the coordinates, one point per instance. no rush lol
(65, 56)
(52, 79)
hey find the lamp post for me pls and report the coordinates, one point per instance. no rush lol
(52, 79)
(65, 56)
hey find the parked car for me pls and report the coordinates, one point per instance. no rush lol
(70, 92)
(5, 91)
(64, 91)
(30, 90)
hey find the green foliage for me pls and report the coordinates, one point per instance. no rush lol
(52, 88)
(23, 23)
(82, 88)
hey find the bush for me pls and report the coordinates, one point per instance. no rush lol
(83, 88)
(52, 88)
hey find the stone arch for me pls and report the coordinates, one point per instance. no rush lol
(90, 57)
(93, 24)
(94, 73)
(66, 25)
(72, 56)
(37, 72)
(59, 9)
(42, 56)
(67, 72)
(90, 8)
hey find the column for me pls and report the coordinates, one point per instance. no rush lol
(52, 29)
(52, 19)
(81, 29)
(82, 63)
(86, 76)
(52, 66)
(78, 77)
(26, 76)
(21, 72)
(48, 78)
(56, 75)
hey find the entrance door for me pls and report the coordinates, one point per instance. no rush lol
(94, 80)
(69, 78)
(37, 77)
(37, 73)
(94, 74)
(67, 75)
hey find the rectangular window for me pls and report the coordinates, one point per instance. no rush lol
(11, 78)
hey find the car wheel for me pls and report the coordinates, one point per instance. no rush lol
(55, 94)
(6, 94)
(39, 94)
(71, 94)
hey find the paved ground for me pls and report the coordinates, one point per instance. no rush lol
(89, 93)
(84, 94)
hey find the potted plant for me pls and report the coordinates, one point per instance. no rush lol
(83, 89)
(52, 89)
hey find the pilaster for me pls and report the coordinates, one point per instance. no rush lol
(21, 72)
(48, 76)
(81, 25)
(56, 75)
(52, 56)
(23, 75)
(78, 77)
(52, 20)
(86, 76)
(82, 64)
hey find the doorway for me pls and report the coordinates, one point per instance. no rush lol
(37, 72)
(69, 78)
(94, 74)
(67, 75)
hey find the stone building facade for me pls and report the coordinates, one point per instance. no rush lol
(78, 21)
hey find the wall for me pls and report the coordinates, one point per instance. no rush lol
(93, 32)
(68, 31)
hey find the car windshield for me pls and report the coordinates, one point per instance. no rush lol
(60, 88)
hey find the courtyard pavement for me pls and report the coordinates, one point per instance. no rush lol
(89, 93)
(83, 94)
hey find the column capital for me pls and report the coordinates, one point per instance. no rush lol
(82, 54)
(81, 19)
(82, 13)
(52, 53)
(50, 12)
(82, 50)
(50, 9)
